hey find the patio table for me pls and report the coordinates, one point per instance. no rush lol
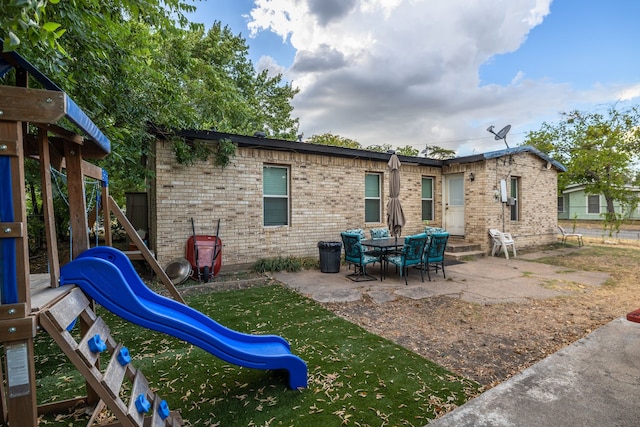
(385, 245)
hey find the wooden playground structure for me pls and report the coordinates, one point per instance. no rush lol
(29, 131)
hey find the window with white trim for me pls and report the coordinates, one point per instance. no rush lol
(593, 204)
(560, 204)
(275, 195)
(427, 199)
(514, 201)
(372, 198)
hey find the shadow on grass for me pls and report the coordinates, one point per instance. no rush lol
(355, 377)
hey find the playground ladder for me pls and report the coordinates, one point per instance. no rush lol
(85, 355)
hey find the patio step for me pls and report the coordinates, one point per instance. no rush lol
(461, 256)
(458, 249)
(461, 246)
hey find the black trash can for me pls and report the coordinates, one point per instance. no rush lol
(330, 256)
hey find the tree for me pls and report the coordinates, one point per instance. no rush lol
(407, 150)
(334, 140)
(380, 148)
(340, 141)
(435, 152)
(128, 69)
(42, 24)
(598, 150)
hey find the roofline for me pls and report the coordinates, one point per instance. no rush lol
(74, 113)
(329, 150)
(508, 152)
(574, 188)
(302, 147)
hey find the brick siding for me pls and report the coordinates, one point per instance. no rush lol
(327, 197)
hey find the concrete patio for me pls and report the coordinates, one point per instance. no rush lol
(486, 280)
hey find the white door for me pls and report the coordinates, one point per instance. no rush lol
(454, 204)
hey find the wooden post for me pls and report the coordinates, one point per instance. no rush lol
(106, 212)
(77, 204)
(47, 208)
(19, 327)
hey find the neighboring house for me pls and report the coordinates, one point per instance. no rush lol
(280, 198)
(575, 203)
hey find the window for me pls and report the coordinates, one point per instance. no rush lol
(275, 190)
(427, 199)
(560, 204)
(372, 198)
(513, 200)
(593, 204)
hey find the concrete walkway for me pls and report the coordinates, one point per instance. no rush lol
(593, 382)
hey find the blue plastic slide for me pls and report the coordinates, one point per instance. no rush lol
(107, 276)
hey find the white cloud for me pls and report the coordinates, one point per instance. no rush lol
(268, 63)
(405, 72)
(629, 93)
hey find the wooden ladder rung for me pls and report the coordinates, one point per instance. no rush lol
(155, 420)
(140, 387)
(173, 420)
(68, 309)
(114, 374)
(98, 328)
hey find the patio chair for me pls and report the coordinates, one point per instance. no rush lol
(354, 254)
(433, 257)
(431, 230)
(411, 255)
(379, 233)
(565, 235)
(361, 236)
(502, 241)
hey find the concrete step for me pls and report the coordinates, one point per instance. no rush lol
(465, 255)
(461, 246)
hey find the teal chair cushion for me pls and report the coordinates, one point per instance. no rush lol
(432, 230)
(379, 233)
(353, 250)
(358, 231)
(412, 251)
(435, 251)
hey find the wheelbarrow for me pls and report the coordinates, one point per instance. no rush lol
(206, 266)
(204, 253)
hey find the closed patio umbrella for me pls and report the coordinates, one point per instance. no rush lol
(395, 215)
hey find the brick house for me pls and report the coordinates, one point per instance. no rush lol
(282, 197)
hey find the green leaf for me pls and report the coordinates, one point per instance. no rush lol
(12, 42)
(51, 26)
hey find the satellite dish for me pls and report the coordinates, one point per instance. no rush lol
(502, 133)
(425, 151)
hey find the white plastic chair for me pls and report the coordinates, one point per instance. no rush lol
(565, 235)
(501, 241)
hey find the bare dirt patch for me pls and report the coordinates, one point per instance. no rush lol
(490, 343)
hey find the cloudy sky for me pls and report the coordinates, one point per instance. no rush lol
(440, 72)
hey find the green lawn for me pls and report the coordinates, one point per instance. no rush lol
(355, 377)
